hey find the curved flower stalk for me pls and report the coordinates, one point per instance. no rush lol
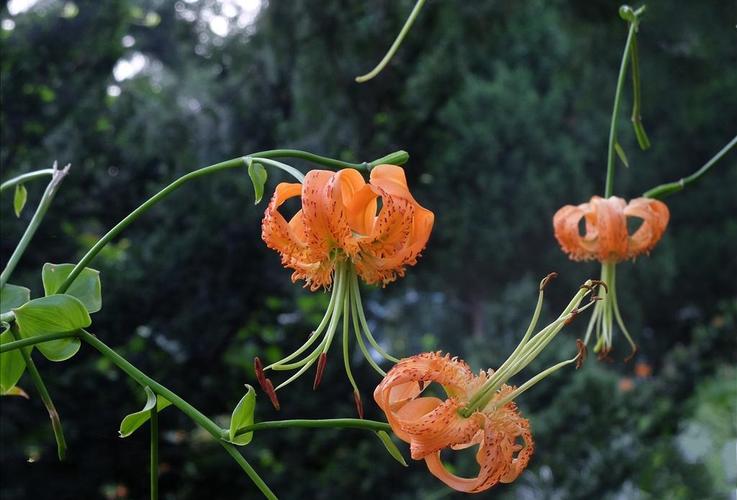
(478, 409)
(346, 229)
(608, 240)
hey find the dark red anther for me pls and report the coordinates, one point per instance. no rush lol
(421, 383)
(574, 313)
(582, 352)
(258, 369)
(320, 369)
(547, 279)
(604, 355)
(269, 390)
(631, 355)
(359, 404)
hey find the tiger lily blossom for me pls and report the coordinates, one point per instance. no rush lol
(608, 240)
(478, 409)
(346, 229)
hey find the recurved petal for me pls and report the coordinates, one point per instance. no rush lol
(655, 216)
(391, 179)
(566, 225)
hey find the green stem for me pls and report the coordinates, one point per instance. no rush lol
(21, 179)
(53, 186)
(35, 340)
(327, 423)
(135, 214)
(154, 453)
(664, 190)
(397, 42)
(398, 157)
(615, 112)
(198, 417)
(61, 445)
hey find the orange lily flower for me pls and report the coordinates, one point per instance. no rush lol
(608, 240)
(339, 222)
(478, 410)
(346, 229)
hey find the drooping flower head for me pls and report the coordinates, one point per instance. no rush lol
(346, 228)
(608, 239)
(340, 220)
(478, 409)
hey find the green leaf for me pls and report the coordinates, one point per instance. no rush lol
(133, 421)
(55, 313)
(258, 176)
(19, 199)
(16, 391)
(12, 296)
(391, 447)
(243, 416)
(620, 153)
(86, 286)
(12, 365)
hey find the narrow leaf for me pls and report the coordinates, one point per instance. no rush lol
(12, 296)
(391, 447)
(243, 416)
(12, 365)
(135, 420)
(258, 176)
(620, 153)
(19, 199)
(16, 391)
(86, 286)
(55, 313)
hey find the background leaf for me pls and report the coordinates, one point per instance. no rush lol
(243, 416)
(86, 286)
(135, 420)
(55, 313)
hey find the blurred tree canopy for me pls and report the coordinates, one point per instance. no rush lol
(504, 108)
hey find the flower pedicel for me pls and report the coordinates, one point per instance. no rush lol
(340, 235)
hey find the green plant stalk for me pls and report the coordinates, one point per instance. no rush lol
(56, 177)
(395, 46)
(61, 444)
(22, 179)
(198, 417)
(327, 423)
(398, 157)
(669, 188)
(154, 422)
(39, 339)
(609, 187)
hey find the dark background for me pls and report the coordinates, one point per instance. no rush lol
(504, 107)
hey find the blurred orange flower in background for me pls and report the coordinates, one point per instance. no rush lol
(607, 237)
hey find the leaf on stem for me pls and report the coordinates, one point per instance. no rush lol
(19, 199)
(620, 152)
(243, 416)
(135, 420)
(12, 366)
(12, 296)
(86, 286)
(258, 176)
(52, 314)
(386, 440)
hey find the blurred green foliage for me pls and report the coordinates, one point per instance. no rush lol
(504, 108)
